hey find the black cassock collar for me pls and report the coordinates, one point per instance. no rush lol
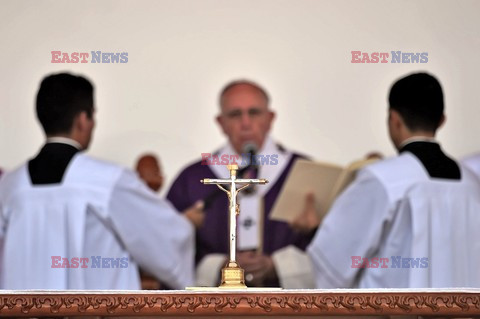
(49, 166)
(437, 164)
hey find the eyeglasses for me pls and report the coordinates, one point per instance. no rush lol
(237, 114)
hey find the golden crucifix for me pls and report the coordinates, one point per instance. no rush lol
(232, 274)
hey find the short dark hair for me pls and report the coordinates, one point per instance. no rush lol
(418, 98)
(60, 98)
(232, 84)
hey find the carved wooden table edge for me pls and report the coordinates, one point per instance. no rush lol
(348, 302)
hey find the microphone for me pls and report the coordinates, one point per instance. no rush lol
(251, 149)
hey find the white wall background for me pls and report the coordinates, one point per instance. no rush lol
(181, 52)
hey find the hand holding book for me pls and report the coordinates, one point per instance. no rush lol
(324, 181)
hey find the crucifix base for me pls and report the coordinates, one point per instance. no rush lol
(232, 277)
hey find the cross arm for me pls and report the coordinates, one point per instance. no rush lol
(207, 181)
(251, 181)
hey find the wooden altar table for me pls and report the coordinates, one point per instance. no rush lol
(463, 303)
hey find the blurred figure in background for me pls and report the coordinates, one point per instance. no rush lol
(374, 155)
(149, 169)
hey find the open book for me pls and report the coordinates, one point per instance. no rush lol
(325, 181)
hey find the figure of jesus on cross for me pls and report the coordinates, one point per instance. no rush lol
(232, 274)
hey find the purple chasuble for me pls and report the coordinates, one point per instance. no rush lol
(212, 237)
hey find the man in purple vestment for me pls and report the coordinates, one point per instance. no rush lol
(266, 248)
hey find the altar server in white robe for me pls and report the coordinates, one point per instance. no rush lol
(473, 163)
(408, 221)
(70, 221)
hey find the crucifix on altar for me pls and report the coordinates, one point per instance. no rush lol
(232, 274)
